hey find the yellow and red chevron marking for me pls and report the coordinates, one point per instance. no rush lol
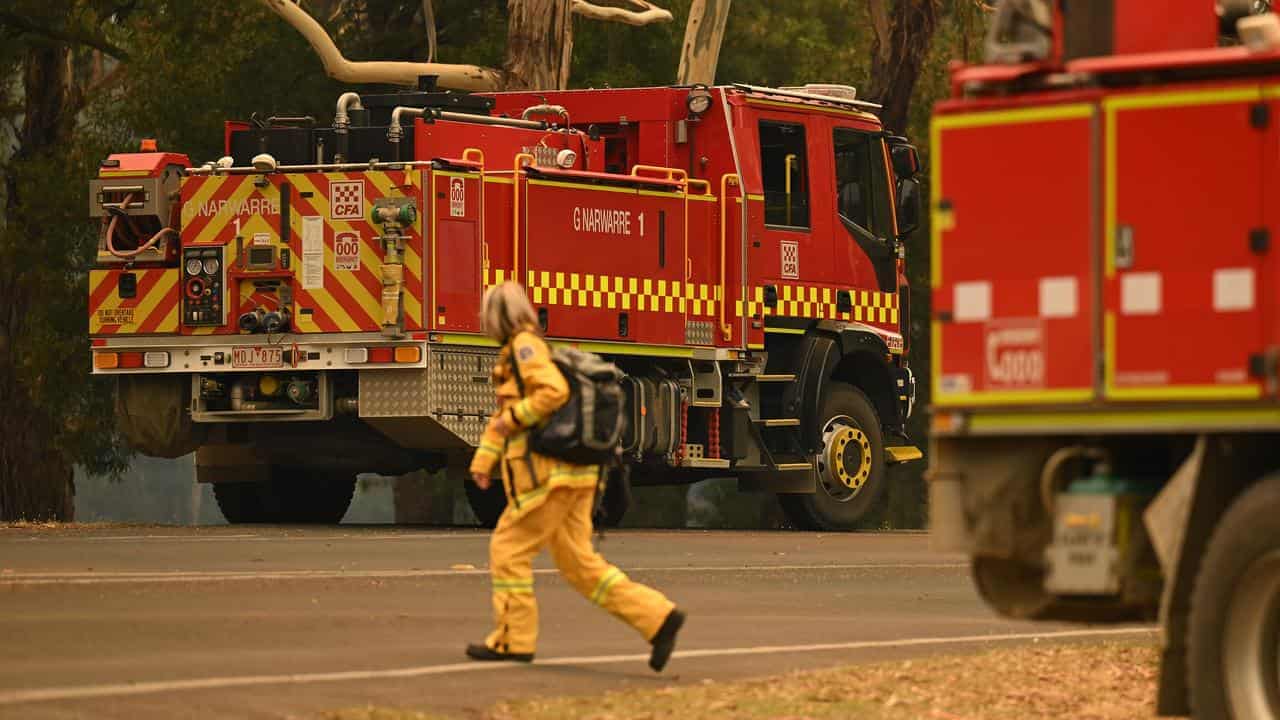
(809, 301)
(153, 309)
(347, 300)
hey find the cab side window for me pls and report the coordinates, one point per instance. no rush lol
(785, 170)
(855, 196)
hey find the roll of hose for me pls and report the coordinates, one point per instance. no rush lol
(252, 321)
(276, 321)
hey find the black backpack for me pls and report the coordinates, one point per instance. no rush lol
(586, 430)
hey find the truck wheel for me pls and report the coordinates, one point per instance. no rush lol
(293, 495)
(617, 500)
(240, 502)
(1234, 630)
(324, 500)
(1011, 588)
(486, 504)
(850, 465)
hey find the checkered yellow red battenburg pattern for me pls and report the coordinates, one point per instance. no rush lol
(152, 309)
(808, 301)
(349, 300)
(698, 299)
(615, 293)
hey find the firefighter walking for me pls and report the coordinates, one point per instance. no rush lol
(549, 501)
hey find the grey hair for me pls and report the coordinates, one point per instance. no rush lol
(504, 310)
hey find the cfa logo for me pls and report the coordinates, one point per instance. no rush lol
(346, 200)
(1015, 354)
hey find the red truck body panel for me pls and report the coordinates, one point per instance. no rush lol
(1084, 251)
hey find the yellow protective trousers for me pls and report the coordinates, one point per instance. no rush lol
(562, 524)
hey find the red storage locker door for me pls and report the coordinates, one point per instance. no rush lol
(457, 272)
(1013, 224)
(1182, 278)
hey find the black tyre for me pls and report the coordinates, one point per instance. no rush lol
(1009, 587)
(851, 464)
(293, 495)
(240, 502)
(486, 504)
(1233, 668)
(324, 501)
(617, 498)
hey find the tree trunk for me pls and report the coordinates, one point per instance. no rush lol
(903, 36)
(539, 44)
(703, 36)
(35, 479)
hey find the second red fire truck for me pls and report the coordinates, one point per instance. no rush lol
(306, 307)
(1105, 342)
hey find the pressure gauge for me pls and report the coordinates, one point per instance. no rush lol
(193, 266)
(211, 266)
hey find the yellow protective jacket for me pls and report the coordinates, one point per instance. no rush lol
(527, 476)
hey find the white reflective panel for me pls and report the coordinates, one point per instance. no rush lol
(1059, 297)
(972, 301)
(1233, 290)
(1140, 294)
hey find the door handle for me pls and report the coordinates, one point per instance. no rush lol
(1124, 250)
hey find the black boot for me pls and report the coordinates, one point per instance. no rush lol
(488, 654)
(665, 640)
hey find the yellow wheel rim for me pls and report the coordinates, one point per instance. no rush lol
(848, 456)
(846, 459)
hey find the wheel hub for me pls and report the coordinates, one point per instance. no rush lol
(844, 463)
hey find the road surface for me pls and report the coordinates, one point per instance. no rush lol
(278, 622)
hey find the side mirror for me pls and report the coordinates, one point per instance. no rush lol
(908, 206)
(906, 160)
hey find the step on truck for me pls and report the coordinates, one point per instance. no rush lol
(1106, 420)
(306, 307)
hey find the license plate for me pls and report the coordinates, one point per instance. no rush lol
(257, 357)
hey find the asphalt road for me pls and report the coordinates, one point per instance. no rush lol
(290, 622)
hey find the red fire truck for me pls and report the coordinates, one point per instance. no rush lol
(306, 307)
(1105, 345)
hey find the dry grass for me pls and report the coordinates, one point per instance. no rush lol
(1111, 681)
(375, 713)
(94, 525)
(1085, 682)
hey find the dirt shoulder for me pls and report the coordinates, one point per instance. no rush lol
(1110, 681)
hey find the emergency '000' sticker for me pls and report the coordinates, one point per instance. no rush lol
(346, 251)
(457, 197)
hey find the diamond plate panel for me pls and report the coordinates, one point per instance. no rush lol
(698, 332)
(461, 397)
(453, 389)
(394, 393)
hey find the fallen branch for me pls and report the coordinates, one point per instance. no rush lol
(456, 77)
(647, 14)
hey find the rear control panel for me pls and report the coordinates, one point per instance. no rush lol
(203, 284)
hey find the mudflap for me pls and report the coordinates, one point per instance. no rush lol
(154, 415)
